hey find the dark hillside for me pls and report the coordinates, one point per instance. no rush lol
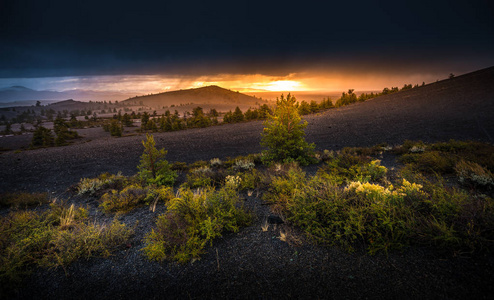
(458, 108)
(205, 95)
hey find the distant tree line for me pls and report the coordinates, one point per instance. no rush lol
(43, 137)
(198, 118)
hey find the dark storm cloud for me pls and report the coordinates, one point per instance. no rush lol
(63, 38)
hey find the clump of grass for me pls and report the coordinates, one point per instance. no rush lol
(124, 200)
(474, 174)
(179, 166)
(411, 147)
(443, 157)
(477, 152)
(192, 221)
(53, 238)
(200, 177)
(233, 182)
(215, 162)
(92, 185)
(84, 241)
(133, 196)
(430, 162)
(204, 176)
(23, 200)
(243, 165)
(284, 186)
(240, 161)
(350, 165)
(254, 180)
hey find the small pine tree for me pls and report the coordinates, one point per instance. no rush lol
(153, 167)
(42, 137)
(126, 120)
(144, 121)
(115, 128)
(237, 115)
(8, 128)
(283, 135)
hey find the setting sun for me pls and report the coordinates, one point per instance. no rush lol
(284, 85)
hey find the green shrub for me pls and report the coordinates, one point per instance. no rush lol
(200, 177)
(372, 171)
(84, 241)
(349, 165)
(116, 128)
(411, 147)
(383, 217)
(442, 157)
(243, 165)
(430, 162)
(125, 200)
(105, 180)
(42, 137)
(284, 186)
(474, 174)
(133, 196)
(179, 166)
(477, 152)
(251, 180)
(215, 162)
(23, 199)
(192, 221)
(24, 235)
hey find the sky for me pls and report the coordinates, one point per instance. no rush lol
(153, 46)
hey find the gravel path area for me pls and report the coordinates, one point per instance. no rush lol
(255, 263)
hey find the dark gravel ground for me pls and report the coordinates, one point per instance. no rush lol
(255, 263)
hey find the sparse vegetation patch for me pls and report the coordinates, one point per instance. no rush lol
(54, 238)
(193, 220)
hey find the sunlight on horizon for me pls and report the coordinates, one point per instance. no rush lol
(244, 83)
(285, 85)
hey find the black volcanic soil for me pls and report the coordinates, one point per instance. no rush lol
(254, 263)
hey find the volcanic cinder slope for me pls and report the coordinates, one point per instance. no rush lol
(209, 95)
(458, 108)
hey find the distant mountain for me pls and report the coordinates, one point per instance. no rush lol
(210, 95)
(21, 93)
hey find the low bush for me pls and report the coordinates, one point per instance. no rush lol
(23, 200)
(243, 165)
(430, 162)
(179, 166)
(134, 196)
(215, 162)
(474, 174)
(253, 180)
(411, 147)
(350, 166)
(200, 177)
(444, 156)
(192, 221)
(104, 181)
(284, 186)
(382, 216)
